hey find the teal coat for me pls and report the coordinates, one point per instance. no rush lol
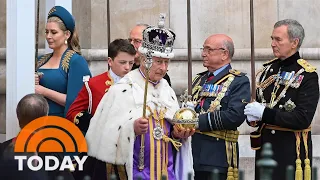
(67, 79)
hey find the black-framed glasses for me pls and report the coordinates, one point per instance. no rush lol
(208, 50)
(135, 41)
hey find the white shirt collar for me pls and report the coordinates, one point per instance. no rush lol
(115, 77)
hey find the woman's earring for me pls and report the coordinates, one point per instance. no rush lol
(65, 42)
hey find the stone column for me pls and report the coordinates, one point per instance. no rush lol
(20, 43)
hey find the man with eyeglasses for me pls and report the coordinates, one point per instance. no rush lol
(135, 39)
(218, 96)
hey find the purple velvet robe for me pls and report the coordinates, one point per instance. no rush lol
(145, 173)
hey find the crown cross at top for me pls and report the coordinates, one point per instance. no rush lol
(184, 98)
(162, 18)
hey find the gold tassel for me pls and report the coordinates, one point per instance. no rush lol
(235, 161)
(298, 170)
(299, 173)
(307, 170)
(230, 174)
(229, 157)
(235, 173)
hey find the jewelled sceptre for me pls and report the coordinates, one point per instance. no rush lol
(37, 35)
(37, 41)
(148, 64)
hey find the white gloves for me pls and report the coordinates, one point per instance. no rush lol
(188, 105)
(252, 118)
(254, 111)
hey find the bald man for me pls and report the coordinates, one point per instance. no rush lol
(135, 37)
(218, 94)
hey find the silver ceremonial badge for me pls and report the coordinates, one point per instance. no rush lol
(289, 105)
(158, 132)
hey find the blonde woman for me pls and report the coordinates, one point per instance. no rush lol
(62, 70)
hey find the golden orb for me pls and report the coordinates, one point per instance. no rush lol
(185, 118)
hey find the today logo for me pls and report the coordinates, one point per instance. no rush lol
(50, 134)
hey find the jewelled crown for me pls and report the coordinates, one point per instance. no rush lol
(159, 40)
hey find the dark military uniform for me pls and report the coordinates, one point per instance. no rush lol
(287, 118)
(220, 104)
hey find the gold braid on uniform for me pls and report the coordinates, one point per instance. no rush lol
(265, 69)
(66, 59)
(307, 66)
(229, 157)
(307, 169)
(260, 71)
(235, 162)
(265, 82)
(298, 173)
(75, 119)
(196, 87)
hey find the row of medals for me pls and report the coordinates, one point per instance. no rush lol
(220, 95)
(282, 79)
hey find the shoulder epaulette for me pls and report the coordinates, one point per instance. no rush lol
(43, 59)
(236, 72)
(202, 73)
(269, 62)
(195, 78)
(307, 66)
(66, 59)
(198, 76)
(86, 78)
